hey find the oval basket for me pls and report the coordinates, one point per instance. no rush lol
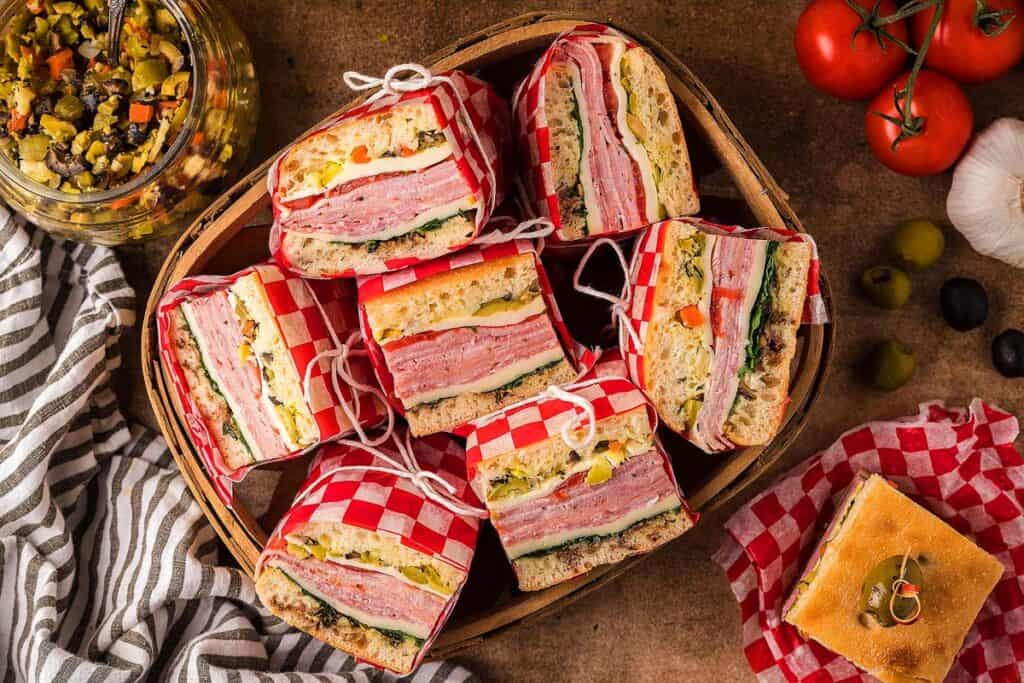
(735, 187)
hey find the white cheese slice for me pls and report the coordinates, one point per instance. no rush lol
(373, 621)
(432, 214)
(633, 146)
(493, 381)
(352, 171)
(653, 508)
(595, 221)
(707, 288)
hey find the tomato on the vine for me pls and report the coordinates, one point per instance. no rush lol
(843, 53)
(941, 124)
(976, 40)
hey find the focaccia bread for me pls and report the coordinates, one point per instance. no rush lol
(841, 602)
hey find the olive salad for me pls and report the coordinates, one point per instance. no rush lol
(72, 121)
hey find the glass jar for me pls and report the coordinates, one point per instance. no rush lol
(205, 157)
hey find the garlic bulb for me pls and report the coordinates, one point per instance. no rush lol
(985, 202)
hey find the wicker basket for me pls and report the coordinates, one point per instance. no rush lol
(735, 187)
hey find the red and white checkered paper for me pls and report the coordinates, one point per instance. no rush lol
(372, 286)
(389, 505)
(304, 330)
(489, 117)
(534, 135)
(643, 276)
(959, 463)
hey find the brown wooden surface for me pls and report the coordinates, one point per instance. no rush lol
(498, 50)
(675, 618)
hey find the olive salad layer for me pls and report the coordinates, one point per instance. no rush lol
(72, 121)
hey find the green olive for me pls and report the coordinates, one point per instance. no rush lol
(876, 592)
(69, 108)
(890, 365)
(34, 147)
(149, 74)
(887, 287)
(918, 243)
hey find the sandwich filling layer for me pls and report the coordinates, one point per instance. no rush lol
(373, 599)
(638, 489)
(243, 355)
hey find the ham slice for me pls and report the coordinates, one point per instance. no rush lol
(215, 327)
(640, 488)
(432, 361)
(373, 598)
(618, 196)
(737, 267)
(357, 211)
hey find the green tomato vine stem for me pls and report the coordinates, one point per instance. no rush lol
(992, 22)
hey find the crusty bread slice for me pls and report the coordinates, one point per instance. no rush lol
(286, 600)
(318, 256)
(660, 131)
(383, 134)
(539, 572)
(211, 404)
(761, 401)
(451, 412)
(422, 305)
(562, 112)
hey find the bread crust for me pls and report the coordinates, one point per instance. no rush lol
(958, 576)
(543, 571)
(286, 601)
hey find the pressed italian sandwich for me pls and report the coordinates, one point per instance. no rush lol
(378, 586)
(618, 156)
(462, 343)
(722, 332)
(891, 587)
(381, 189)
(561, 511)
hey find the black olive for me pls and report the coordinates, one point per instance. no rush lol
(136, 134)
(44, 105)
(5, 116)
(1008, 353)
(116, 86)
(91, 99)
(964, 303)
(113, 142)
(61, 161)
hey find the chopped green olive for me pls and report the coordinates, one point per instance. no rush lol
(149, 74)
(69, 108)
(34, 147)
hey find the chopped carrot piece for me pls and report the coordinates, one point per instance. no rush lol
(406, 151)
(691, 316)
(122, 202)
(169, 104)
(198, 138)
(139, 112)
(17, 122)
(360, 155)
(60, 61)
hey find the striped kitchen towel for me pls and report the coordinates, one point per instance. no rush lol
(107, 566)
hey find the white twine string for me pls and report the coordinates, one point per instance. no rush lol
(535, 228)
(619, 303)
(395, 82)
(426, 481)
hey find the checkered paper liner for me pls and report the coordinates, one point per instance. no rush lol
(304, 330)
(643, 276)
(534, 134)
(960, 463)
(389, 505)
(372, 286)
(478, 164)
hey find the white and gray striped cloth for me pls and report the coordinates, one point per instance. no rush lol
(107, 566)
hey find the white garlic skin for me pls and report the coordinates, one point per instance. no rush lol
(984, 202)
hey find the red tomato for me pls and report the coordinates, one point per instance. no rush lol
(967, 44)
(946, 121)
(840, 65)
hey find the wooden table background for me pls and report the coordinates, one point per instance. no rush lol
(675, 616)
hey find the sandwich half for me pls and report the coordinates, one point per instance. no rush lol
(891, 587)
(722, 334)
(240, 373)
(463, 343)
(619, 159)
(560, 512)
(381, 187)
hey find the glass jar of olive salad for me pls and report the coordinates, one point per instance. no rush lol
(110, 154)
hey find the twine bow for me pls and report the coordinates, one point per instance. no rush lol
(619, 303)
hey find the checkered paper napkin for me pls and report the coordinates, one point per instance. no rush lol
(534, 135)
(482, 166)
(372, 286)
(643, 276)
(388, 504)
(959, 463)
(304, 330)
